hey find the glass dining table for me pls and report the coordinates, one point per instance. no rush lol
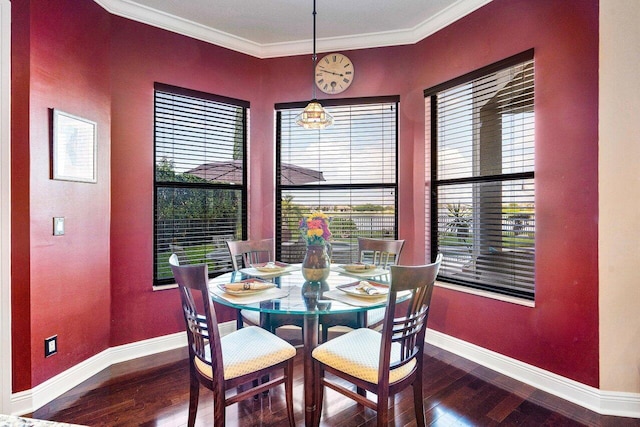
(342, 292)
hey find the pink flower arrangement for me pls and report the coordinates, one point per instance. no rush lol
(315, 228)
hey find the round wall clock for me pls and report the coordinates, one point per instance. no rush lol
(334, 73)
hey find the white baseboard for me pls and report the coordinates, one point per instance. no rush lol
(603, 402)
(619, 404)
(27, 401)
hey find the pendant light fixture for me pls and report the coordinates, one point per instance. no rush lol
(314, 116)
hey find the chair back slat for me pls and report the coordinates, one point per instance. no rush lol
(406, 332)
(380, 252)
(408, 329)
(198, 332)
(250, 252)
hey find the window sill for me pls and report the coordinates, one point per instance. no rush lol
(165, 287)
(486, 294)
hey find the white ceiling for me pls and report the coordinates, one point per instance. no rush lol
(272, 28)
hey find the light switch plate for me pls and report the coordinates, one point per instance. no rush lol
(58, 226)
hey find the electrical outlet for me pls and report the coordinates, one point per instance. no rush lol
(50, 346)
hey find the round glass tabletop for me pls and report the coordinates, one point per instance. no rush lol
(290, 294)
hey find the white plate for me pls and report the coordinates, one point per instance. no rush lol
(223, 288)
(359, 267)
(270, 267)
(364, 273)
(352, 289)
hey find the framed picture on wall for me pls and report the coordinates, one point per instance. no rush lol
(74, 148)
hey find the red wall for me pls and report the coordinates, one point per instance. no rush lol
(142, 55)
(20, 239)
(564, 322)
(60, 285)
(561, 333)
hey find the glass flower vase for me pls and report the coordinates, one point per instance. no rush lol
(316, 264)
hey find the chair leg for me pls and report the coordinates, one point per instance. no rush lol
(239, 322)
(383, 410)
(288, 392)
(265, 379)
(219, 408)
(254, 384)
(194, 392)
(320, 399)
(418, 403)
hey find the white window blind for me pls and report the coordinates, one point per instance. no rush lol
(200, 176)
(482, 207)
(348, 171)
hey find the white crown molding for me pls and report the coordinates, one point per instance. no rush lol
(620, 404)
(156, 18)
(448, 16)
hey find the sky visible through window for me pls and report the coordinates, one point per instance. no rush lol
(360, 148)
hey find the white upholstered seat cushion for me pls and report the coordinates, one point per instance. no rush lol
(357, 353)
(248, 350)
(251, 315)
(375, 316)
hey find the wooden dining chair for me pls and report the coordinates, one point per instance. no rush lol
(180, 252)
(244, 253)
(223, 364)
(382, 253)
(386, 362)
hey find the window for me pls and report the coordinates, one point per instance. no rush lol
(481, 128)
(347, 171)
(200, 178)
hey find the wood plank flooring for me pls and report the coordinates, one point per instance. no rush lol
(154, 391)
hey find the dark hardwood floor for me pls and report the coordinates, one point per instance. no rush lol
(154, 391)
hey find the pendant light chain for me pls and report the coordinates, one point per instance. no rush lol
(314, 116)
(314, 58)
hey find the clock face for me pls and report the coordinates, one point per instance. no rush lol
(334, 73)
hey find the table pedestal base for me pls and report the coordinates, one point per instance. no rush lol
(311, 374)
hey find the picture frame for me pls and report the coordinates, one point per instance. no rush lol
(74, 148)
